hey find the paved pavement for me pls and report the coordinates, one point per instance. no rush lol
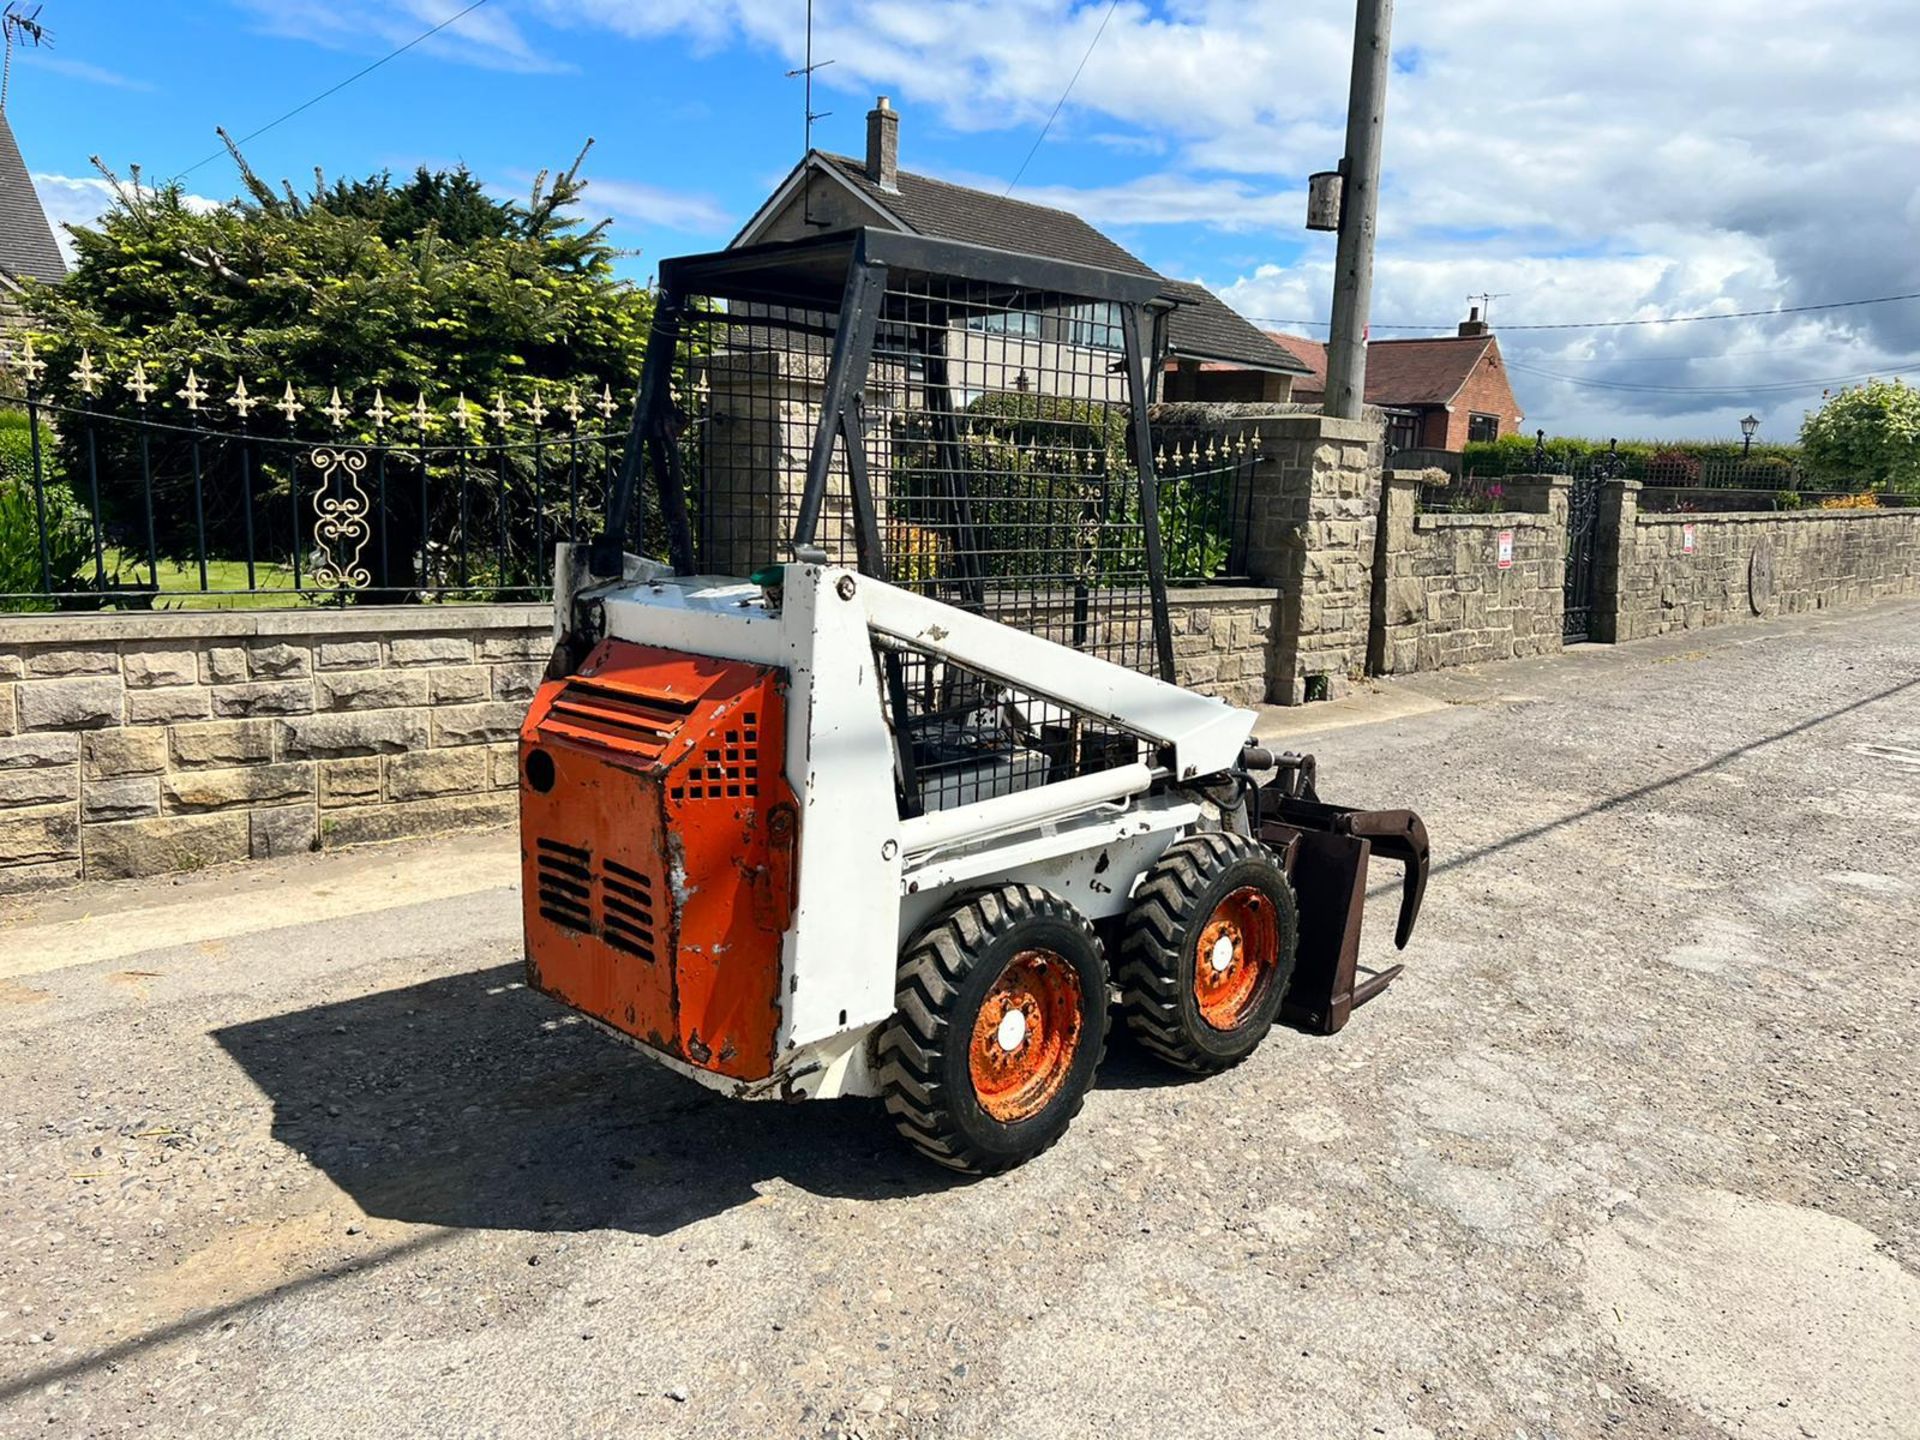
(1632, 1149)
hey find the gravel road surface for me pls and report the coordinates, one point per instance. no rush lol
(1631, 1150)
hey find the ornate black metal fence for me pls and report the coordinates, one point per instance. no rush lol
(150, 493)
(162, 490)
(1206, 506)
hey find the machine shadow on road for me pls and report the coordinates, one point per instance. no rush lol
(471, 1101)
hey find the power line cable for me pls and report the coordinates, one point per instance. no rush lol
(1760, 387)
(336, 89)
(1628, 324)
(1828, 344)
(1041, 137)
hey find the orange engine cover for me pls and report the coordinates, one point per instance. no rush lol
(657, 849)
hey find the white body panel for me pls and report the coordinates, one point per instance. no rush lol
(867, 879)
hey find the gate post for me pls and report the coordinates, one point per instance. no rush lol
(1399, 598)
(1551, 496)
(1613, 558)
(1315, 504)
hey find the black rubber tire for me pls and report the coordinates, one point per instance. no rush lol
(946, 974)
(1159, 949)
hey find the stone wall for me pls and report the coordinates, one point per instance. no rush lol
(1313, 503)
(140, 744)
(1744, 566)
(1440, 595)
(1221, 639)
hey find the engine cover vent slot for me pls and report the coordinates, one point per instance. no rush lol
(566, 884)
(626, 910)
(634, 721)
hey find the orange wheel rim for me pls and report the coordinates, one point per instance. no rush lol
(1025, 1036)
(1234, 960)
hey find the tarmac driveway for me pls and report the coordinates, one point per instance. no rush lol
(1632, 1149)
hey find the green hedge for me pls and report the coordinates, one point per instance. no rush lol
(1518, 449)
(69, 530)
(1661, 461)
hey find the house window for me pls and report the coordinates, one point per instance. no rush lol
(1403, 431)
(1483, 428)
(1024, 324)
(1094, 327)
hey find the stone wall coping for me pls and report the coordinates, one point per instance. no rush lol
(1221, 594)
(98, 628)
(1492, 520)
(1771, 517)
(1326, 427)
(1281, 419)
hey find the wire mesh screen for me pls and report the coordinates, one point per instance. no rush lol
(993, 428)
(964, 737)
(997, 428)
(748, 386)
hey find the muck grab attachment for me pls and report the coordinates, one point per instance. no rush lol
(915, 811)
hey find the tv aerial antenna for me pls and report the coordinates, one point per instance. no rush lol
(20, 26)
(1486, 300)
(806, 73)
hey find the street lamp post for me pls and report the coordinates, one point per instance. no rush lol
(1748, 427)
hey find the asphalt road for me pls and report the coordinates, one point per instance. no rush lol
(1631, 1150)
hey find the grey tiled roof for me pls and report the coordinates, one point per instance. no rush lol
(954, 212)
(1201, 327)
(1205, 327)
(26, 239)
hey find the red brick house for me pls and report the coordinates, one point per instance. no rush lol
(1438, 393)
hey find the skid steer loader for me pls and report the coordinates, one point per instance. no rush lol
(877, 784)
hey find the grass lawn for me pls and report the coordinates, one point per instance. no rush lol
(180, 584)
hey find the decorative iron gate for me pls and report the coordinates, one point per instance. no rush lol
(1583, 528)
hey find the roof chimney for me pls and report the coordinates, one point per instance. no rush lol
(1473, 325)
(883, 145)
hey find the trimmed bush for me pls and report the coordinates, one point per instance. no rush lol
(69, 529)
(1673, 467)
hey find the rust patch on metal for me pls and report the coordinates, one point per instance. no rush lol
(1025, 1036)
(1235, 957)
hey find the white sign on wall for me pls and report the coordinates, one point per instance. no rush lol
(1688, 536)
(1506, 549)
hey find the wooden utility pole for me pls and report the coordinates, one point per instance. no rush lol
(1360, 201)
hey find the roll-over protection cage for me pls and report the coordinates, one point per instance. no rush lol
(964, 422)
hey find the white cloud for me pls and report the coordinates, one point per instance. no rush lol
(1223, 202)
(81, 70)
(642, 204)
(488, 37)
(82, 200)
(1633, 159)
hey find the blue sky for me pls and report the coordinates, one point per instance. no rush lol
(1628, 161)
(690, 132)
